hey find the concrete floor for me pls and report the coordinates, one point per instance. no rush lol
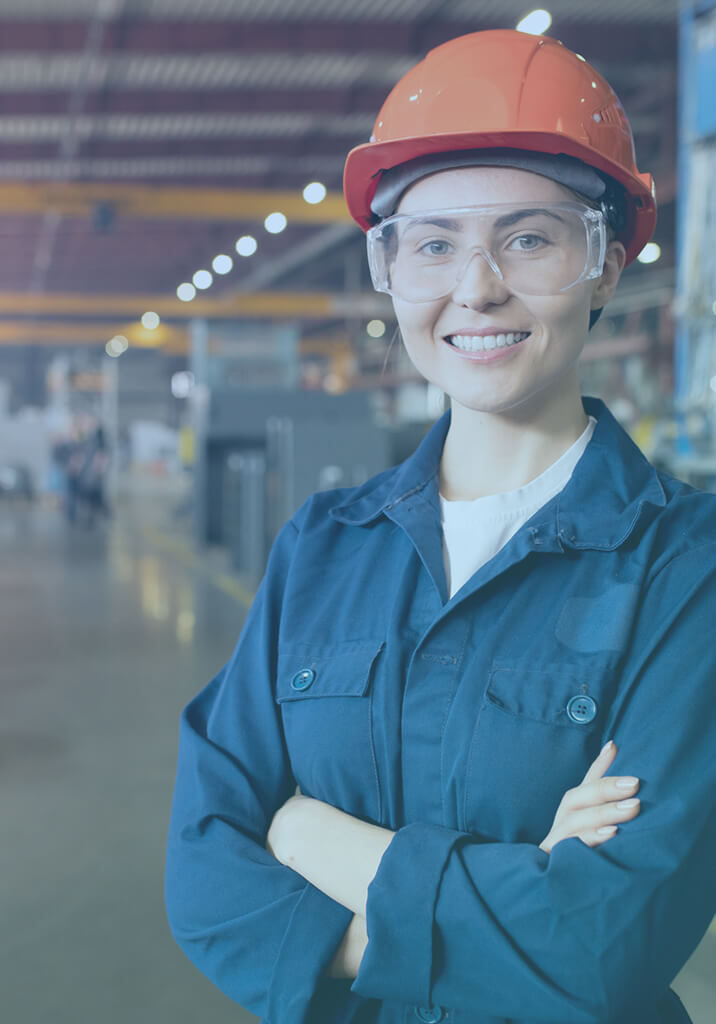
(104, 638)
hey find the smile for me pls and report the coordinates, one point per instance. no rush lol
(475, 343)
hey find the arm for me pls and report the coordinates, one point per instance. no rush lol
(340, 854)
(582, 935)
(337, 853)
(257, 929)
(621, 918)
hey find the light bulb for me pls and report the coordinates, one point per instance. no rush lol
(246, 245)
(150, 321)
(222, 264)
(202, 279)
(275, 223)
(315, 193)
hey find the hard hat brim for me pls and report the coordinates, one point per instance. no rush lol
(365, 163)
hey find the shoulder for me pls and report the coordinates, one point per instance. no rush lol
(687, 522)
(345, 506)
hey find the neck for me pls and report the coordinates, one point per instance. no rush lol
(490, 453)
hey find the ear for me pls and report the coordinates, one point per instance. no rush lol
(613, 265)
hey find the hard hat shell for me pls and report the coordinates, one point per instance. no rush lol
(504, 88)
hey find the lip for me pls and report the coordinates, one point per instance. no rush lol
(494, 355)
(485, 332)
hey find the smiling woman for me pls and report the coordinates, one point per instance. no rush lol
(449, 659)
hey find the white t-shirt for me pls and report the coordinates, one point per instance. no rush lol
(474, 531)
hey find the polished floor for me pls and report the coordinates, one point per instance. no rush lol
(104, 636)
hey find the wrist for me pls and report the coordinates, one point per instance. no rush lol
(347, 960)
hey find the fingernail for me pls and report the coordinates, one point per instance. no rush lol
(607, 746)
(605, 829)
(623, 804)
(628, 782)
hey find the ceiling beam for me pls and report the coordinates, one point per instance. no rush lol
(80, 199)
(259, 305)
(62, 333)
(608, 38)
(170, 340)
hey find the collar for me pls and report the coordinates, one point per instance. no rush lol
(608, 492)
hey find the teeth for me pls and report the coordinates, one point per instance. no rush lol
(471, 343)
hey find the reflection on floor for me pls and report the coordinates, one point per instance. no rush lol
(104, 637)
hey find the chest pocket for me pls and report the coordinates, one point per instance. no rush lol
(536, 734)
(326, 698)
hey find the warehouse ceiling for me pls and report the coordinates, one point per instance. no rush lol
(119, 119)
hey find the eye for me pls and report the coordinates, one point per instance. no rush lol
(435, 247)
(528, 243)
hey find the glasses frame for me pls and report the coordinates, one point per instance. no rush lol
(594, 225)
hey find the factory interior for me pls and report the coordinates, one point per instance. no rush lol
(187, 318)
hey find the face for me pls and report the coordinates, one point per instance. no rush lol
(534, 371)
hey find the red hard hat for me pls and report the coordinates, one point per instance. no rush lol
(504, 89)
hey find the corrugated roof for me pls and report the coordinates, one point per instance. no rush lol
(339, 10)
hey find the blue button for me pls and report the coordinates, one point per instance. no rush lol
(582, 709)
(429, 1014)
(303, 679)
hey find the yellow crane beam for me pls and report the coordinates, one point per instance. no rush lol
(237, 306)
(170, 339)
(61, 333)
(147, 202)
(258, 304)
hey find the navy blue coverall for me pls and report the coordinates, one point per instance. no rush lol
(460, 724)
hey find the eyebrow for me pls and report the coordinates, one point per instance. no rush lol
(506, 221)
(509, 219)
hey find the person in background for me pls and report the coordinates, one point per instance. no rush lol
(83, 459)
(93, 475)
(490, 670)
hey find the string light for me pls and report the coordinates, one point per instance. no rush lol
(314, 193)
(246, 245)
(202, 279)
(150, 321)
(375, 328)
(222, 264)
(275, 223)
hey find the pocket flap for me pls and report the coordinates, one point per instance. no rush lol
(559, 696)
(308, 670)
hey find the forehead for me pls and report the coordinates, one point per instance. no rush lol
(471, 186)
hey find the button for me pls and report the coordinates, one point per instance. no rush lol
(429, 1014)
(582, 709)
(303, 679)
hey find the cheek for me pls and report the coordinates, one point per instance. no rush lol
(417, 323)
(567, 313)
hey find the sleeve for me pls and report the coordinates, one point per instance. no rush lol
(582, 936)
(257, 929)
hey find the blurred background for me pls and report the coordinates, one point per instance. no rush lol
(189, 346)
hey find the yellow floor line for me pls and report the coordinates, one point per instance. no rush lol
(185, 554)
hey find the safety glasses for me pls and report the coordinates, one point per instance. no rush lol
(537, 248)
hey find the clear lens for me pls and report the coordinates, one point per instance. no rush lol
(536, 249)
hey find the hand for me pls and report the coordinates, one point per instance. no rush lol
(590, 811)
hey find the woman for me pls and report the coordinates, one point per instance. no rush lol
(441, 658)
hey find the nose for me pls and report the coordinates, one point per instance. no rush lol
(480, 281)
